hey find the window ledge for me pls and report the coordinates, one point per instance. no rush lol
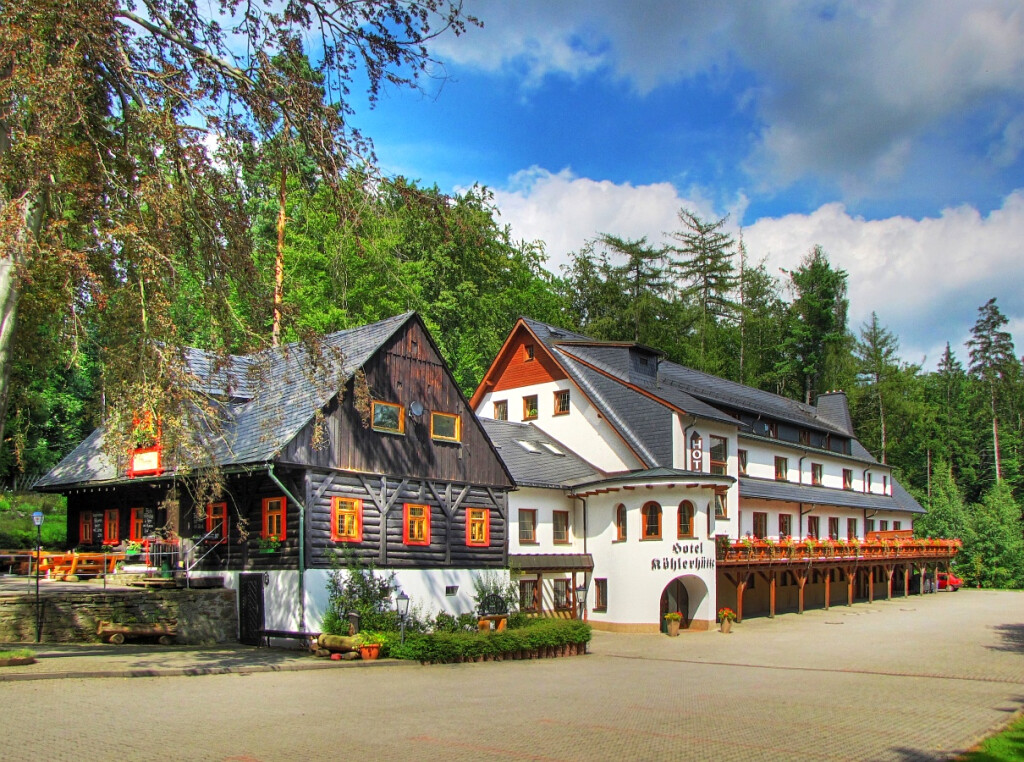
(650, 539)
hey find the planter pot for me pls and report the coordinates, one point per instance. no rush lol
(726, 626)
(673, 628)
(268, 550)
(370, 651)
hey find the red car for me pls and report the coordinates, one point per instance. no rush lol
(949, 581)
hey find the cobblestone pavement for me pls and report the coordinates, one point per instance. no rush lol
(914, 679)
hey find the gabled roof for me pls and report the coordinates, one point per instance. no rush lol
(533, 458)
(286, 386)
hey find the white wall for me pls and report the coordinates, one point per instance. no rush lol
(545, 502)
(582, 429)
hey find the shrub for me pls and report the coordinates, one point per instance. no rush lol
(447, 647)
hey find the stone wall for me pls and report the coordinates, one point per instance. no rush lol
(204, 617)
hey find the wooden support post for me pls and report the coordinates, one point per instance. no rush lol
(906, 580)
(828, 587)
(871, 584)
(801, 580)
(851, 580)
(740, 587)
(889, 570)
(771, 594)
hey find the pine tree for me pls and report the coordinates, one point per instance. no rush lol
(878, 368)
(993, 552)
(816, 335)
(704, 266)
(994, 364)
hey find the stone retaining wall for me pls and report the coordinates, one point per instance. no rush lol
(204, 617)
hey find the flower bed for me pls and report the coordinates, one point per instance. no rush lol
(539, 639)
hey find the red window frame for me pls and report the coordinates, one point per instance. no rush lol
(817, 474)
(785, 524)
(135, 525)
(600, 594)
(813, 527)
(847, 478)
(530, 411)
(561, 592)
(760, 524)
(478, 517)
(501, 410)
(409, 519)
(215, 512)
(529, 594)
(621, 527)
(348, 506)
(279, 516)
(111, 526)
(85, 528)
(646, 525)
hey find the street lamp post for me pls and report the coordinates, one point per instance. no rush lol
(37, 519)
(581, 600)
(402, 607)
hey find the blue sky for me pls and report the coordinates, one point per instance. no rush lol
(890, 133)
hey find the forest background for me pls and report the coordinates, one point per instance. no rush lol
(280, 230)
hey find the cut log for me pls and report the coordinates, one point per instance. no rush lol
(337, 643)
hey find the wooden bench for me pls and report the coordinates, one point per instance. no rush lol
(308, 637)
(493, 613)
(116, 632)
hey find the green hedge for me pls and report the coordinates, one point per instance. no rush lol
(447, 647)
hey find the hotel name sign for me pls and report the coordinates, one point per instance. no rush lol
(686, 556)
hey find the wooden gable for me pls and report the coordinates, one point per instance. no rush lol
(407, 369)
(522, 361)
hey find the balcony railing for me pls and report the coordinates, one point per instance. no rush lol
(789, 551)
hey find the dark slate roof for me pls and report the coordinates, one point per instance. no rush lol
(622, 407)
(768, 489)
(659, 474)
(719, 391)
(542, 468)
(540, 562)
(286, 386)
(224, 377)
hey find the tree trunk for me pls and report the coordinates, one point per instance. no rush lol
(282, 196)
(10, 293)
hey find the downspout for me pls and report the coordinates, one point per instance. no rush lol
(864, 480)
(302, 544)
(800, 507)
(800, 466)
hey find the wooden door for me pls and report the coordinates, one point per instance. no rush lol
(250, 608)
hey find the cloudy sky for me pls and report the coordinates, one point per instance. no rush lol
(890, 133)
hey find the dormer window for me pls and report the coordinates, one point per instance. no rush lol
(528, 353)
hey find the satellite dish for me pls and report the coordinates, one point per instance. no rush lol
(416, 409)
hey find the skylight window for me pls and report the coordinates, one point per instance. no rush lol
(528, 446)
(552, 449)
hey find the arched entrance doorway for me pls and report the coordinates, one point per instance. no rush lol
(675, 598)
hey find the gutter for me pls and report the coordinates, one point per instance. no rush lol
(302, 544)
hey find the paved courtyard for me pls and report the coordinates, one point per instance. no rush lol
(908, 679)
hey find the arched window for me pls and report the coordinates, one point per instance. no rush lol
(651, 521)
(685, 519)
(620, 523)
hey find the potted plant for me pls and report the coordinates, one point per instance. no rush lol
(770, 545)
(673, 621)
(270, 544)
(726, 616)
(369, 645)
(788, 545)
(132, 547)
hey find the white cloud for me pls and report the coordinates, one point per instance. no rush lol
(925, 278)
(841, 90)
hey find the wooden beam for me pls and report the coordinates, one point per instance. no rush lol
(851, 580)
(889, 570)
(906, 580)
(771, 595)
(801, 581)
(740, 587)
(828, 587)
(871, 584)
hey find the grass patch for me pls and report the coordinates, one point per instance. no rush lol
(20, 653)
(1007, 746)
(16, 528)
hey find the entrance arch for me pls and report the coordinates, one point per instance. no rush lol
(683, 594)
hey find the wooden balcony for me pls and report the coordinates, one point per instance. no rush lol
(785, 553)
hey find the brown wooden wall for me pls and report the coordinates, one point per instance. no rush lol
(514, 370)
(448, 503)
(406, 369)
